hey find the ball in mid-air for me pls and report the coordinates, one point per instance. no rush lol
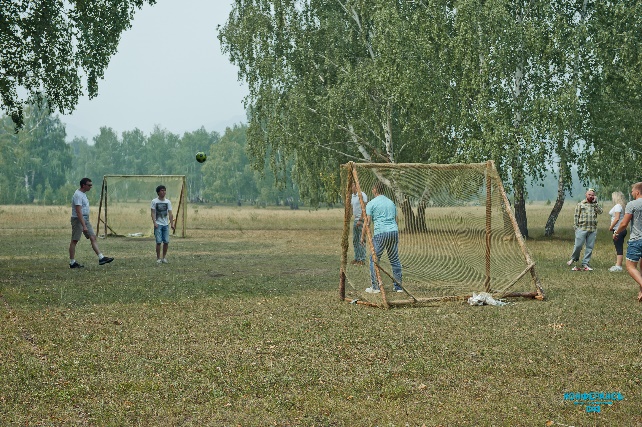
(201, 157)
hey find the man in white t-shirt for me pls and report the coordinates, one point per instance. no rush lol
(80, 225)
(357, 226)
(162, 219)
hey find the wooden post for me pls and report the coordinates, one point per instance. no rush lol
(181, 199)
(184, 206)
(100, 207)
(368, 232)
(489, 213)
(346, 233)
(518, 236)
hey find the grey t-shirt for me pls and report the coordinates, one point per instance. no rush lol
(80, 199)
(634, 208)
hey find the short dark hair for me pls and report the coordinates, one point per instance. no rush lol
(159, 188)
(379, 187)
(84, 181)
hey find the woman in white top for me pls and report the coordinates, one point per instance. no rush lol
(617, 213)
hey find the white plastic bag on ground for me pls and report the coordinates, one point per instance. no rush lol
(484, 298)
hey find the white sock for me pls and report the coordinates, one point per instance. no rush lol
(71, 261)
(101, 256)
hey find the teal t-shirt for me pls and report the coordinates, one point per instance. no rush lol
(383, 213)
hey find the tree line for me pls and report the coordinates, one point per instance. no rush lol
(37, 165)
(534, 85)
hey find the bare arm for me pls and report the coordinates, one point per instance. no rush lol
(616, 218)
(154, 218)
(623, 224)
(80, 217)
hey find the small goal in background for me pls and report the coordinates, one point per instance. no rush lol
(457, 236)
(125, 204)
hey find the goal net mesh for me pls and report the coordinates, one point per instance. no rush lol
(457, 235)
(125, 204)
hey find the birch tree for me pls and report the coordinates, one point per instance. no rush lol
(49, 46)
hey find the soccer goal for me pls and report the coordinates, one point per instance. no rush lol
(457, 236)
(125, 204)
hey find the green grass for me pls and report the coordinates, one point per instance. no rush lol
(244, 327)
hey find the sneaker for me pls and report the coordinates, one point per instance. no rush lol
(398, 289)
(76, 265)
(354, 262)
(576, 268)
(372, 290)
(586, 268)
(570, 261)
(615, 268)
(164, 261)
(159, 261)
(360, 263)
(105, 260)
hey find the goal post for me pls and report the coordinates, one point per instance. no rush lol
(457, 236)
(125, 204)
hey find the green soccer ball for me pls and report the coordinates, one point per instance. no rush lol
(201, 157)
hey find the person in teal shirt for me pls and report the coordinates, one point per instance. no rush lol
(382, 212)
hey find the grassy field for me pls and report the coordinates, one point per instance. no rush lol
(244, 328)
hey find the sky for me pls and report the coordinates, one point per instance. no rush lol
(169, 71)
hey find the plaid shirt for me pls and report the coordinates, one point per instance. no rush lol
(586, 215)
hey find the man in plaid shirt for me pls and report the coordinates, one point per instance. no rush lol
(585, 225)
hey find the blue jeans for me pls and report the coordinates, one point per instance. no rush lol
(359, 248)
(162, 234)
(634, 250)
(584, 237)
(388, 241)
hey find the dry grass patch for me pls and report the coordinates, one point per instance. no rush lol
(244, 327)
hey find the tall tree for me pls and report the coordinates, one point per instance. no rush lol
(227, 172)
(615, 106)
(49, 45)
(36, 157)
(183, 160)
(392, 81)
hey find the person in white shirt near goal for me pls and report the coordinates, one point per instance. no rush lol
(357, 227)
(162, 219)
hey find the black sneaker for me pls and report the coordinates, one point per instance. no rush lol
(105, 260)
(76, 265)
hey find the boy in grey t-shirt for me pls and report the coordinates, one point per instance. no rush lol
(633, 214)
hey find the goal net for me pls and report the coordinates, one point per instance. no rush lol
(125, 204)
(457, 236)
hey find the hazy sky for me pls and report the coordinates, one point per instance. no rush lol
(169, 71)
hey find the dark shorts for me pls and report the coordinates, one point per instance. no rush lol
(619, 243)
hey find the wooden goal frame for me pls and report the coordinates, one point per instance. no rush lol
(492, 177)
(180, 216)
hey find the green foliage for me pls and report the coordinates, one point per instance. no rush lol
(37, 165)
(519, 82)
(34, 159)
(47, 45)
